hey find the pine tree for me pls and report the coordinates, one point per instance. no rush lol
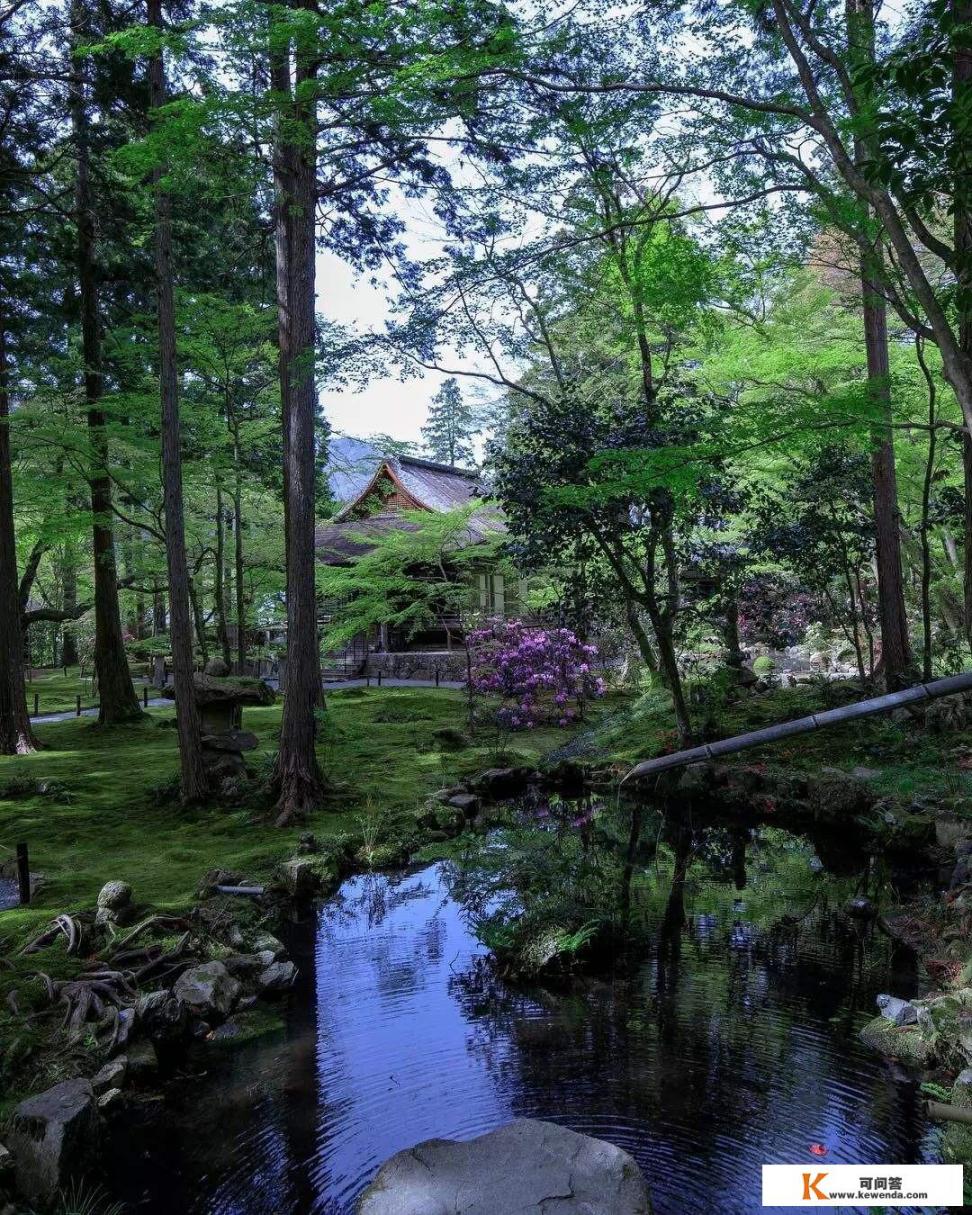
(450, 427)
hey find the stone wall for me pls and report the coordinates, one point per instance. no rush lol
(419, 664)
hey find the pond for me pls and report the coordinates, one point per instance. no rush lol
(731, 1044)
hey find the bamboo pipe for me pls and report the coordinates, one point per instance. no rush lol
(816, 721)
(948, 1113)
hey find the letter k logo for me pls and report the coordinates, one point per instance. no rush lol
(811, 1189)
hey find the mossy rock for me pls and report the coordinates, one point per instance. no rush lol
(450, 739)
(910, 1044)
(763, 665)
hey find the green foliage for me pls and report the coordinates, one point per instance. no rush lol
(412, 573)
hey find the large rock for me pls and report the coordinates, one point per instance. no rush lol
(54, 1137)
(300, 877)
(209, 991)
(525, 1168)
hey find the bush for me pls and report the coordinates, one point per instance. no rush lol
(540, 675)
(763, 665)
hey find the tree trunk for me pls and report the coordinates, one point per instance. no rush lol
(301, 784)
(238, 584)
(117, 699)
(193, 782)
(69, 602)
(219, 580)
(641, 637)
(924, 530)
(16, 736)
(895, 644)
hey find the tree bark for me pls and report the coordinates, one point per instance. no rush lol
(16, 735)
(925, 530)
(219, 580)
(301, 783)
(117, 699)
(193, 782)
(69, 601)
(895, 644)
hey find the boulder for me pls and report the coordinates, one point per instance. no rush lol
(115, 904)
(112, 1075)
(54, 1137)
(860, 908)
(264, 942)
(208, 991)
(898, 1012)
(525, 1168)
(299, 878)
(161, 1016)
(278, 977)
(907, 1043)
(468, 803)
(836, 796)
(502, 782)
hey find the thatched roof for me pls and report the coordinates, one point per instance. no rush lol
(339, 542)
(424, 484)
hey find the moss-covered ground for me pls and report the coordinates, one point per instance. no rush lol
(109, 812)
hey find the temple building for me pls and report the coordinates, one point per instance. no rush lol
(404, 484)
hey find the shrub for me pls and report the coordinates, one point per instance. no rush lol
(539, 675)
(763, 665)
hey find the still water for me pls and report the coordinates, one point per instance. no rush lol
(732, 1045)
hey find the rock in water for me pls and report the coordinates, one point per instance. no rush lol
(524, 1168)
(54, 1137)
(898, 1012)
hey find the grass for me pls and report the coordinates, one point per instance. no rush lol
(379, 749)
(57, 692)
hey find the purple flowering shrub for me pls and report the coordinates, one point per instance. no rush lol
(538, 675)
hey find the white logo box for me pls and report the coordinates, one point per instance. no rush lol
(862, 1185)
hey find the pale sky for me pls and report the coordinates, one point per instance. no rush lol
(387, 405)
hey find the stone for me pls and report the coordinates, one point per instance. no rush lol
(860, 908)
(898, 1012)
(112, 1075)
(7, 1162)
(525, 1168)
(468, 803)
(908, 1044)
(450, 738)
(265, 941)
(962, 1089)
(161, 1016)
(114, 895)
(53, 1137)
(836, 796)
(143, 1062)
(111, 1101)
(862, 773)
(218, 667)
(277, 978)
(115, 904)
(299, 878)
(230, 741)
(946, 714)
(502, 782)
(697, 778)
(307, 843)
(207, 991)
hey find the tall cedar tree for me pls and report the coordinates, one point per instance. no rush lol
(192, 771)
(117, 701)
(295, 180)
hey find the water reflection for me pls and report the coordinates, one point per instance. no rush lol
(732, 1044)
